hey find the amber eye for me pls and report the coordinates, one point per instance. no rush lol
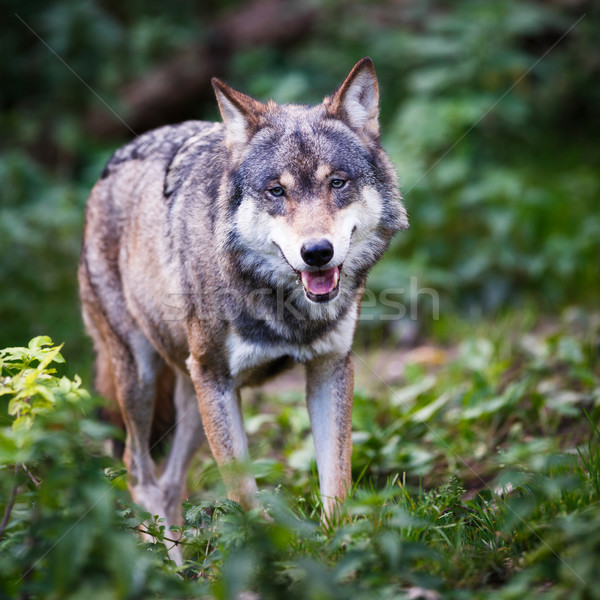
(338, 183)
(277, 191)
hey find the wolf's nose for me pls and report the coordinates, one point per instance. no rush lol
(317, 253)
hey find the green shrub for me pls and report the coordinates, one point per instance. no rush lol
(61, 536)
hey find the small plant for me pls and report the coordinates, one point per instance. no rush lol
(29, 380)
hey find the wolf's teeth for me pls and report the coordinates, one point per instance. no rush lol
(336, 278)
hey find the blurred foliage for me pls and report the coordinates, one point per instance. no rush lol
(489, 110)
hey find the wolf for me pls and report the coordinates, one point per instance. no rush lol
(216, 255)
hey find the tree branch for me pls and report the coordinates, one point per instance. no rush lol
(169, 92)
(8, 510)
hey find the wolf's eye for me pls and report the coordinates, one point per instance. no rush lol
(277, 191)
(338, 183)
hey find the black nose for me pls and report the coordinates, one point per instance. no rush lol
(317, 253)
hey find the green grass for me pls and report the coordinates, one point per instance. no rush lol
(476, 469)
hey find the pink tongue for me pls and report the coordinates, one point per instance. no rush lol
(320, 282)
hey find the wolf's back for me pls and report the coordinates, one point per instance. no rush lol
(160, 144)
(133, 172)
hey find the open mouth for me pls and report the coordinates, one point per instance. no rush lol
(322, 285)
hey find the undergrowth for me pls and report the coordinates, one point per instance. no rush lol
(475, 477)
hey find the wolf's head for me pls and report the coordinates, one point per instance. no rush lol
(311, 198)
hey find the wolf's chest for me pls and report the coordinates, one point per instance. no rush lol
(245, 356)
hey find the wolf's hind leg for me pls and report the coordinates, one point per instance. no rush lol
(187, 439)
(136, 366)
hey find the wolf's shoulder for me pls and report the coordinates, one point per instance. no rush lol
(164, 143)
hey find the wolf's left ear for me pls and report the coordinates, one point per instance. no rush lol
(241, 113)
(357, 99)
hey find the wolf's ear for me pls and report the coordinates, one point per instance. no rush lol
(357, 100)
(241, 113)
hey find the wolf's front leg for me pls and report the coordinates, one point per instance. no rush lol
(329, 394)
(221, 414)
